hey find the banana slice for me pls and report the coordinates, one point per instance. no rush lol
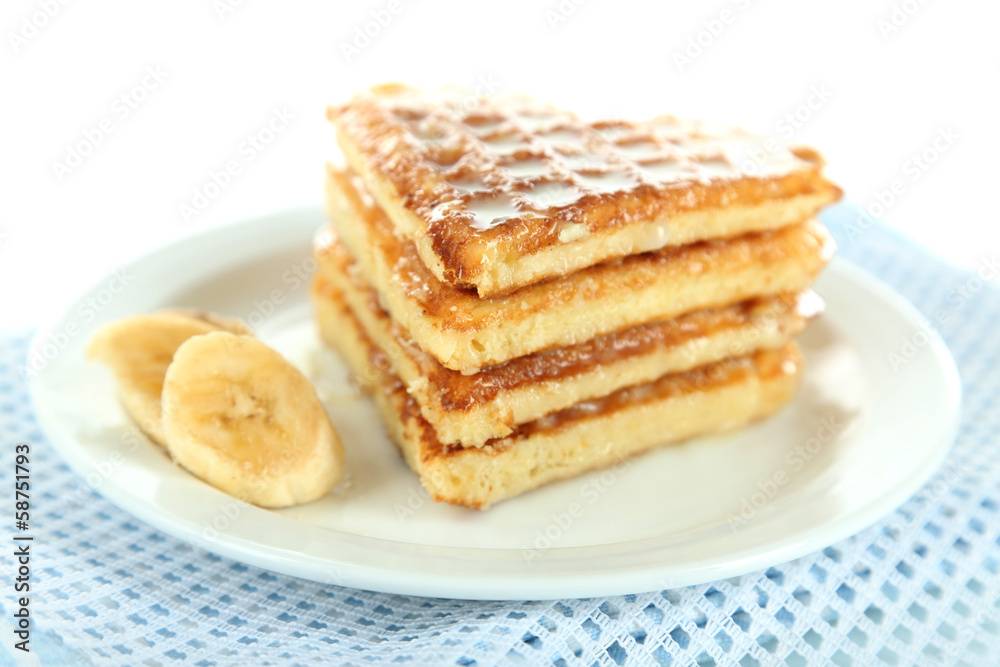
(239, 416)
(138, 350)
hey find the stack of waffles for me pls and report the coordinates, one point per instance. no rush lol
(528, 296)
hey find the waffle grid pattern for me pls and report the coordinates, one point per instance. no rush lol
(490, 160)
(921, 587)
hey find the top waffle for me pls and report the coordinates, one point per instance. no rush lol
(499, 193)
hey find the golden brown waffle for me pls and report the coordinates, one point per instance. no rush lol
(498, 193)
(594, 434)
(467, 333)
(472, 409)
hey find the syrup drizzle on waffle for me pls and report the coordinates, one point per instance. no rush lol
(508, 157)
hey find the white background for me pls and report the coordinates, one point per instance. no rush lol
(890, 90)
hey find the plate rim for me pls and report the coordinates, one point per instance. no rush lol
(571, 585)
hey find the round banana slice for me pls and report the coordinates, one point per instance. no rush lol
(239, 416)
(138, 350)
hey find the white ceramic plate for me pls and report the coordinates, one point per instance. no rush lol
(860, 438)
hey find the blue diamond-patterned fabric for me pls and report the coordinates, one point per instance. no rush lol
(921, 587)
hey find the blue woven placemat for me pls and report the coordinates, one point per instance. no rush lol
(921, 587)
